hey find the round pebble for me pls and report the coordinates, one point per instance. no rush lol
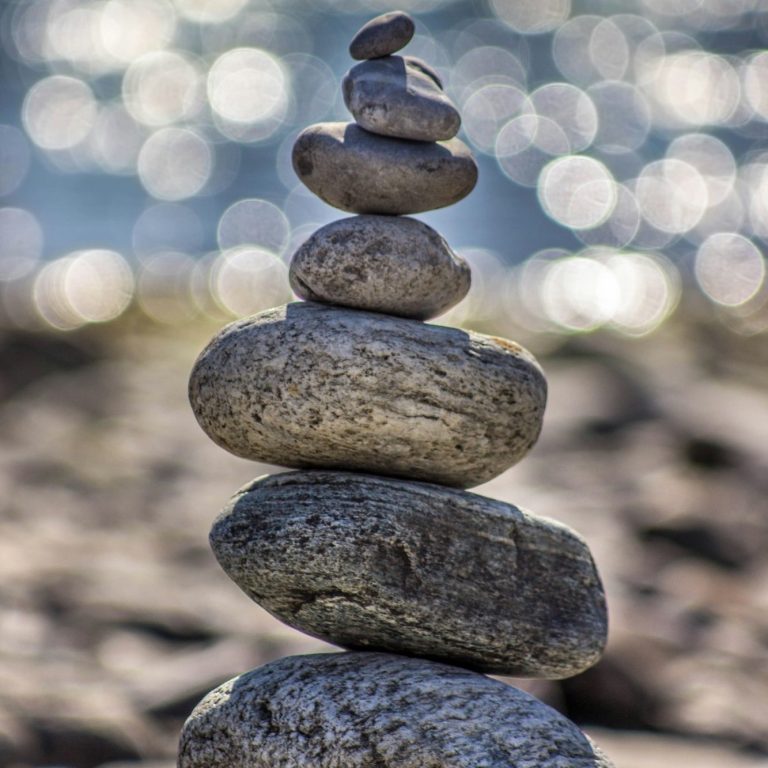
(307, 385)
(382, 36)
(360, 172)
(398, 96)
(418, 569)
(372, 710)
(390, 264)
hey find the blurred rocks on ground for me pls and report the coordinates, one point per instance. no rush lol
(115, 619)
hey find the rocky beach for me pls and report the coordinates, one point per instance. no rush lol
(116, 618)
(502, 472)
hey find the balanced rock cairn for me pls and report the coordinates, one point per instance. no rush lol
(373, 544)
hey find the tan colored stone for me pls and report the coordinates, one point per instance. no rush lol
(390, 264)
(308, 385)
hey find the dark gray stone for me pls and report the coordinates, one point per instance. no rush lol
(358, 171)
(390, 264)
(372, 710)
(383, 564)
(382, 36)
(312, 386)
(399, 96)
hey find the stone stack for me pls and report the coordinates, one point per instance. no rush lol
(373, 544)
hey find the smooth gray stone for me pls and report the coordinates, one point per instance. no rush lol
(312, 386)
(390, 565)
(390, 264)
(398, 96)
(382, 36)
(360, 172)
(375, 710)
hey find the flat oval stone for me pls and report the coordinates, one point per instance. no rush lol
(312, 386)
(375, 710)
(358, 171)
(398, 96)
(382, 36)
(418, 569)
(389, 264)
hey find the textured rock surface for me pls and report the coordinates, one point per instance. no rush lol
(360, 710)
(370, 562)
(382, 36)
(399, 96)
(394, 265)
(360, 172)
(103, 464)
(308, 385)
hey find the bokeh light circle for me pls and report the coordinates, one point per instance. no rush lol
(256, 223)
(729, 268)
(131, 28)
(175, 163)
(672, 195)
(91, 286)
(488, 109)
(163, 87)
(525, 144)
(209, 11)
(571, 109)
(246, 280)
(579, 293)
(578, 192)
(532, 17)
(649, 291)
(59, 112)
(711, 158)
(247, 85)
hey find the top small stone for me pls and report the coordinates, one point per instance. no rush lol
(382, 36)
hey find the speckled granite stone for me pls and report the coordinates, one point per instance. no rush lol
(398, 96)
(371, 710)
(384, 564)
(390, 264)
(308, 385)
(382, 36)
(360, 172)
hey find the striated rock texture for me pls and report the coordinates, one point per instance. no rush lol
(390, 264)
(399, 96)
(308, 385)
(370, 562)
(360, 710)
(360, 172)
(382, 36)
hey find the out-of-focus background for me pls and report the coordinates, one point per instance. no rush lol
(618, 230)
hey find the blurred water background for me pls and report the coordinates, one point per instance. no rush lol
(618, 229)
(145, 149)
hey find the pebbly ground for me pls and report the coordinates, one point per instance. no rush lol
(115, 618)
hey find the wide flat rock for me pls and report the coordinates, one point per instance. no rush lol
(382, 36)
(400, 96)
(312, 386)
(390, 264)
(383, 564)
(360, 172)
(361, 710)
